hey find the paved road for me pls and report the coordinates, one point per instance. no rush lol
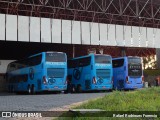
(42, 102)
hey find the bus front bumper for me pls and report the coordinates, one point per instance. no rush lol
(102, 87)
(54, 88)
(135, 86)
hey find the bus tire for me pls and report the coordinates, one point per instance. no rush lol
(79, 88)
(73, 89)
(110, 90)
(12, 90)
(9, 89)
(32, 90)
(29, 90)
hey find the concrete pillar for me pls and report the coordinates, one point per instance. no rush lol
(158, 57)
(73, 55)
(123, 52)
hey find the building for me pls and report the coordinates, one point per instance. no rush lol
(118, 27)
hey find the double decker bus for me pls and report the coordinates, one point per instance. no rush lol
(45, 71)
(92, 72)
(127, 73)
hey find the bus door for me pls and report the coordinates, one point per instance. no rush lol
(120, 78)
(85, 73)
(119, 73)
(88, 81)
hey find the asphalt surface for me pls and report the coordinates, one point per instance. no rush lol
(42, 102)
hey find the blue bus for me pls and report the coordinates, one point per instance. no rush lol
(90, 73)
(127, 73)
(46, 71)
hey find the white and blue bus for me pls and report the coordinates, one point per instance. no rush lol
(127, 73)
(46, 71)
(90, 73)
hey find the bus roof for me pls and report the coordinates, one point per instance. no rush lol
(91, 54)
(35, 55)
(45, 52)
(125, 57)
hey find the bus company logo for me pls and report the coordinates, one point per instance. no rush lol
(100, 80)
(51, 80)
(6, 114)
(76, 74)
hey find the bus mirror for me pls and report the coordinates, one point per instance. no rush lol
(91, 67)
(124, 68)
(42, 65)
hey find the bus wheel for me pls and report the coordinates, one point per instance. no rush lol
(73, 89)
(13, 90)
(32, 89)
(79, 89)
(9, 89)
(29, 90)
(110, 90)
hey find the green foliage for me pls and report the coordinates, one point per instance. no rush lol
(151, 72)
(149, 62)
(140, 100)
(147, 99)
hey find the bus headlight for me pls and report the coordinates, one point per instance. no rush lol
(94, 81)
(44, 80)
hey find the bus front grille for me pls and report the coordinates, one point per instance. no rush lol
(55, 72)
(103, 73)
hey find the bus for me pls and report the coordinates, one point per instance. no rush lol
(92, 72)
(45, 71)
(127, 73)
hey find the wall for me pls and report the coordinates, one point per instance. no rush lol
(47, 30)
(2, 83)
(3, 65)
(3, 68)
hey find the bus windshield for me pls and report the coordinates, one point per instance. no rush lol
(102, 59)
(55, 57)
(134, 67)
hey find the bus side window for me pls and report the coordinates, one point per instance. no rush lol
(73, 63)
(12, 67)
(25, 78)
(84, 61)
(118, 63)
(35, 60)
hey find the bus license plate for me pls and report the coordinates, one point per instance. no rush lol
(104, 87)
(56, 87)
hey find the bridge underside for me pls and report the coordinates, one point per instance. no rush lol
(20, 50)
(144, 13)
